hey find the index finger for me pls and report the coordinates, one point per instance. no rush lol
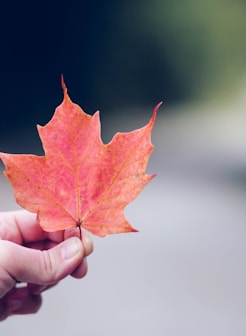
(22, 227)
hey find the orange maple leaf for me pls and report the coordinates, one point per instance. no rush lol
(81, 181)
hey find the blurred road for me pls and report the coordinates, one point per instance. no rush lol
(184, 273)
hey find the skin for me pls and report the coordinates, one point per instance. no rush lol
(32, 261)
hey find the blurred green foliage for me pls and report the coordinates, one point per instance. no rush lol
(145, 51)
(117, 54)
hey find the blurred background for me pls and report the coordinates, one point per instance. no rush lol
(184, 273)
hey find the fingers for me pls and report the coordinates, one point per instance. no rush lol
(86, 239)
(45, 262)
(19, 301)
(18, 263)
(81, 270)
(38, 289)
(20, 227)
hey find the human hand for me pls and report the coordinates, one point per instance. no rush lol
(37, 258)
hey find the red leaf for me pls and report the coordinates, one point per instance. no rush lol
(80, 180)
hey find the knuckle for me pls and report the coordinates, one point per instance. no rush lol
(48, 267)
(7, 279)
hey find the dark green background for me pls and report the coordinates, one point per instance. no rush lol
(116, 54)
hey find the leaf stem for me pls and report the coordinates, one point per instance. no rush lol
(79, 223)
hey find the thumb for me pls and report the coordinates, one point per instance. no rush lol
(18, 263)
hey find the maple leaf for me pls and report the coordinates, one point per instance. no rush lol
(80, 180)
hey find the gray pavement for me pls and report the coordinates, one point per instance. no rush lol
(184, 273)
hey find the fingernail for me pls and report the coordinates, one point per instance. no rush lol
(70, 247)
